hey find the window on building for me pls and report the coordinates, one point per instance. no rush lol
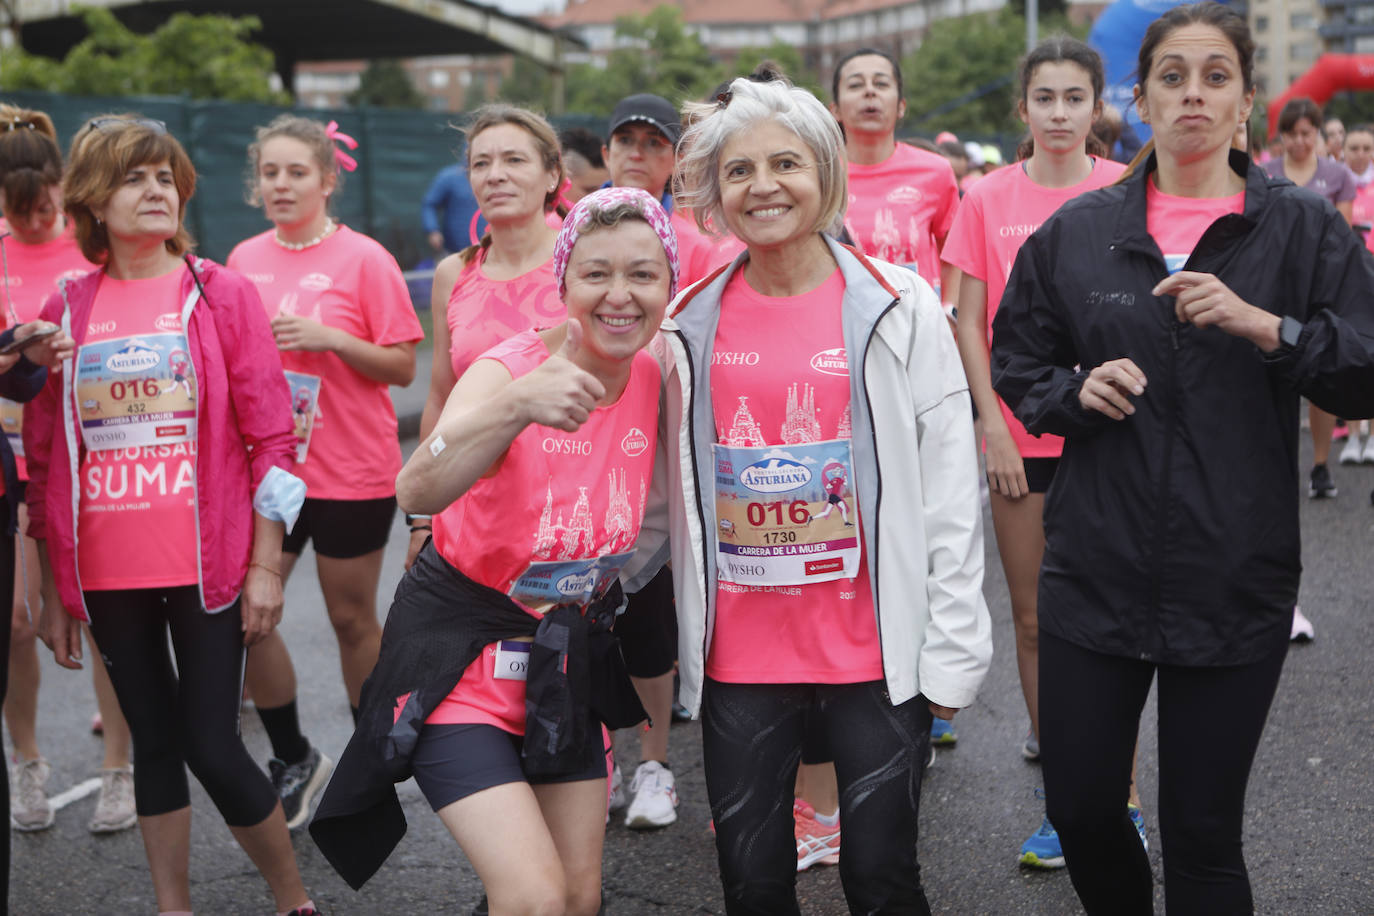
(1301, 21)
(1302, 51)
(1261, 54)
(1362, 14)
(1261, 23)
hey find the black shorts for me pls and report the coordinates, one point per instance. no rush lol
(452, 762)
(1039, 473)
(833, 499)
(342, 529)
(648, 628)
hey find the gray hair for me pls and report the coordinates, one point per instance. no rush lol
(745, 105)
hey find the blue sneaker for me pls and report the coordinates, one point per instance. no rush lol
(942, 732)
(1042, 850)
(1138, 818)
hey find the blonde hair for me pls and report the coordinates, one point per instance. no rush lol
(743, 107)
(306, 130)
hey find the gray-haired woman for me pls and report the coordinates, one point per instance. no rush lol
(803, 604)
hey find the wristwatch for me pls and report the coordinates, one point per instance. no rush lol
(1290, 329)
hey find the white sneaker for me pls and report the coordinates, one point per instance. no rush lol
(619, 797)
(1352, 453)
(1368, 456)
(29, 808)
(654, 797)
(114, 809)
(1302, 627)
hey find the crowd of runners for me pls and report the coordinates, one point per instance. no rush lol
(702, 441)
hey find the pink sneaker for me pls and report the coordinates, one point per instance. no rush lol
(816, 843)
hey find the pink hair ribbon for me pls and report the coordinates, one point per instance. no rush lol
(345, 161)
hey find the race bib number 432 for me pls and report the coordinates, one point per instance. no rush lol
(786, 515)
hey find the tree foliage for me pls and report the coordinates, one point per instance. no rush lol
(205, 57)
(789, 60)
(654, 53)
(972, 61)
(386, 84)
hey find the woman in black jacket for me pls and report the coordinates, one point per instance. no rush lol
(1165, 327)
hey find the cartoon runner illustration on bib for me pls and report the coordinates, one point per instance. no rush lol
(179, 361)
(834, 479)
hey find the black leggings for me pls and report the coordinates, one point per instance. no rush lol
(752, 739)
(1210, 721)
(183, 717)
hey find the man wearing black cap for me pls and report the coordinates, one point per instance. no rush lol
(644, 131)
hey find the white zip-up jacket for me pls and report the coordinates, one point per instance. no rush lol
(915, 469)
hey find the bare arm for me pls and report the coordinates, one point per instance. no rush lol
(262, 586)
(1006, 471)
(441, 377)
(392, 365)
(58, 629)
(484, 414)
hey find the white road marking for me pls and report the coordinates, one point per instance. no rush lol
(75, 793)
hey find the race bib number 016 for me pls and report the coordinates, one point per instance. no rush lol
(305, 399)
(136, 391)
(786, 515)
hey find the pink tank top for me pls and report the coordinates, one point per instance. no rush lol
(555, 523)
(483, 312)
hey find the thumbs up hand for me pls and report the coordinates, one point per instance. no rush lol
(559, 394)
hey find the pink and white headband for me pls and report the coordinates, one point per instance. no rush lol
(578, 219)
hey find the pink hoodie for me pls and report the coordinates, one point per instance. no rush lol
(244, 429)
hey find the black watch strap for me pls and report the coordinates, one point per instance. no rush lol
(1290, 329)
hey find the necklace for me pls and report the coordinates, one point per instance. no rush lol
(329, 227)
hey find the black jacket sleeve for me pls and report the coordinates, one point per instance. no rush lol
(1333, 362)
(24, 379)
(1034, 361)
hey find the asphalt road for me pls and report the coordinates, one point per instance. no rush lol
(1309, 826)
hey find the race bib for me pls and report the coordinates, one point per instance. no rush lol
(1174, 262)
(786, 515)
(136, 391)
(512, 661)
(305, 400)
(12, 421)
(545, 584)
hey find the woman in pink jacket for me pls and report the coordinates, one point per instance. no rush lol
(119, 443)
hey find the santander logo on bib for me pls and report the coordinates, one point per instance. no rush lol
(634, 443)
(135, 356)
(317, 282)
(831, 362)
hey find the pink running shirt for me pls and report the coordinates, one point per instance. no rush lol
(900, 210)
(32, 274)
(765, 383)
(699, 254)
(994, 219)
(349, 282)
(556, 496)
(1362, 209)
(483, 312)
(1178, 223)
(137, 519)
